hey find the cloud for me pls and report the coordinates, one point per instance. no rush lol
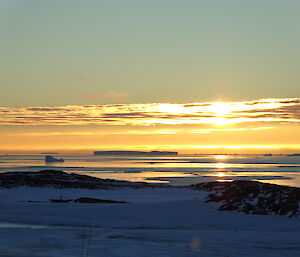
(97, 133)
(91, 96)
(228, 130)
(272, 111)
(111, 96)
(47, 134)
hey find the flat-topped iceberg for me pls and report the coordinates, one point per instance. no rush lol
(136, 153)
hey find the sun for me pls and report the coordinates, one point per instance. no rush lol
(221, 112)
(220, 157)
(220, 108)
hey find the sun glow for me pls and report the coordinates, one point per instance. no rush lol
(221, 121)
(220, 108)
(221, 111)
(220, 157)
(221, 165)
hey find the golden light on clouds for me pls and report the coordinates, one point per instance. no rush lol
(259, 125)
(228, 129)
(218, 113)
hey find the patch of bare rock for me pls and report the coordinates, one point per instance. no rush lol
(253, 197)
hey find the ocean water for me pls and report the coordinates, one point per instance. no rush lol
(178, 170)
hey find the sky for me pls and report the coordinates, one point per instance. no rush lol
(157, 75)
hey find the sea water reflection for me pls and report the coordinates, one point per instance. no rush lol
(180, 170)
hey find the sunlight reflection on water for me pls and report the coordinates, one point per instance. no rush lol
(176, 170)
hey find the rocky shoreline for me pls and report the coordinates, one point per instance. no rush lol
(249, 197)
(252, 197)
(60, 179)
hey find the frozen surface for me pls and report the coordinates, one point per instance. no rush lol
(157, 222)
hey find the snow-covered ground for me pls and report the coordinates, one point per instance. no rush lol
(156, 222)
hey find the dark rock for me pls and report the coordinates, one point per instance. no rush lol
(60, 179)
(60, 201)
(95, 200)
(83, 200)
(253, 197)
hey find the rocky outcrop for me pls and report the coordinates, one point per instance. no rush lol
(253, 197)
(85, 200)
(60, 179)
(95, 200)
(250, 197)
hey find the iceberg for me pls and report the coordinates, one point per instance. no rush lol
(49, 158)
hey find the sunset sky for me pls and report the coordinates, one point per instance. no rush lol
(193, 76)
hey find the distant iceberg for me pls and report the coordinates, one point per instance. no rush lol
(136, 153)
(49, 158)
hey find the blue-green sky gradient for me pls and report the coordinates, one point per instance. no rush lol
(56, 53)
